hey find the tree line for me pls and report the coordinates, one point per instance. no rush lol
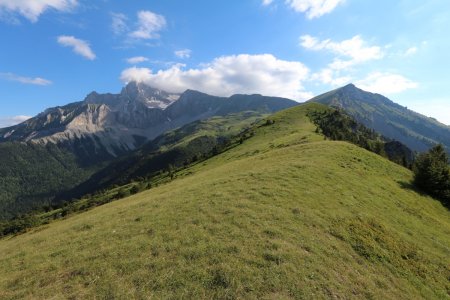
(432, 173)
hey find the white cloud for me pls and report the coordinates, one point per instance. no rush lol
(266, 2)
(328, 76)
(348, 53)
(140, 75)
(26, 80)
(119, 24)
(314, 8)
(411, 51)
(386, 83)
(149, 24)
(10, 121)
(354, 50)
(227, 75)
(32, 9)
(136, 59)
(79, 46)
(185, 53)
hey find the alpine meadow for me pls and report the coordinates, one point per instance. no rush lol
(260, 149)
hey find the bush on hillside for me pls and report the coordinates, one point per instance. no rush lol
(122, 193)
(432, 173)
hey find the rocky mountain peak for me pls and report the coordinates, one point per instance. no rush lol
(350, 89)
(91, 97)
(349, 86)
(150, 96)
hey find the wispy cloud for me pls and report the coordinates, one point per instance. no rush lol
(328, 76)
(32, 9)
(347, 54)
(386, 83)
(10, 121)
(119, 23)
(227, 75)
(411, 51)
(80, 47)
(312, 8)
(185, 53)
(266, 2)
(25, 80)
(136, 59)
(148, 26)
(354, 50)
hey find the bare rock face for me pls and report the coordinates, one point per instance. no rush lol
(108, 124)
(103, 126)
(150, 97)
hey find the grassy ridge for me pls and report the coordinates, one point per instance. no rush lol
(284, 215)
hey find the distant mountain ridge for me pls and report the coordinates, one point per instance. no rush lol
(390, 119)
(104, 126)
(109, 125)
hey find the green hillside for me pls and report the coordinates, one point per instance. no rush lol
(284, 215)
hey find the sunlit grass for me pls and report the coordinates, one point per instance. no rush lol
(285, 215)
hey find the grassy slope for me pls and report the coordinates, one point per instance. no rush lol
(284, 215)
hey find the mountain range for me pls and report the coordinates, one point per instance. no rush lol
(104, 126)
(110, 139)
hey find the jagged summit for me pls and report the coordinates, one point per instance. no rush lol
(349, 86)
(105, 125)
(150, 96)
(135, 92)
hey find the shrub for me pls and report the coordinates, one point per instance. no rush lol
(432, 173)
(122, 193)
(135, 189)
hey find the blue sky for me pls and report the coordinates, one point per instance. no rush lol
(56, 51)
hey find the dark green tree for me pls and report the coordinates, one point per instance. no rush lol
(122, 193)
(432, 173)
(171, 171)
(135, 189)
